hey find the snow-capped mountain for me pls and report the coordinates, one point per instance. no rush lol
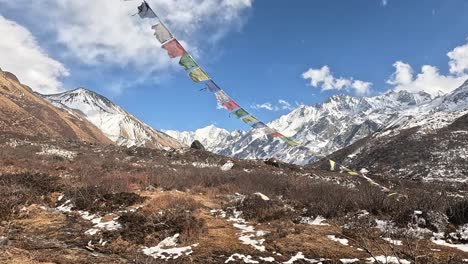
(338, 122)
(428, 143)
(116, 123)
(213, 138)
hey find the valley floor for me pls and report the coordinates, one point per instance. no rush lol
(71, 202)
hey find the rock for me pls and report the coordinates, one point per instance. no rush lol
(3, 241)
(228, 166)
(273, 162)
(197, 145)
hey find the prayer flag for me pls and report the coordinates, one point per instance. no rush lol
(174, 49)
(259, 125)
(222, 97)
(277, 135)
(240, 113)
(290, 142)
(250, 120)
(145, 11)
(230, 105)
(198, 75)
(332, 165)
(162, 33)
(187, 62)
(353, 173)
(212, 86)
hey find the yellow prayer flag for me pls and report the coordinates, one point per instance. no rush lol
(199, 75)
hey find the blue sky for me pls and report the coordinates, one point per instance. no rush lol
(258, 54)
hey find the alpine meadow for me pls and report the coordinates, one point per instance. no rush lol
(233, 131)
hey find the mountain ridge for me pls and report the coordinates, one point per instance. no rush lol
(338, 122)
(116, 123)
(24, 112)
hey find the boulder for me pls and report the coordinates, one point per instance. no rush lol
(197, 145)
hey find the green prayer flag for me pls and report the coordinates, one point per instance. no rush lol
(198, 75)
(187, 62)
(240, 113)
(290, 142)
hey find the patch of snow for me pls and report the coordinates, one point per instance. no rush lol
(388, 260)
(167, 249)
(441, 242)
(347, 261)
(393, 241)
(268, 259)
(300, 256)
(383, 225)
(66, 207)
(261, 195)
(342, 241)
(228, 166)
(318, 221)
(54, 151)
(202, 165)
(246, 259)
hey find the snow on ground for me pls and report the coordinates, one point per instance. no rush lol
(300, 256)
(441, 242)
(318, 221)
(54, 151)
(202, 165)
(228, 166)
(248, 235)
(342, 241)
(388, 260)
(261, 195)
(393, 241)
(347, 261)
(167, 249)
(99, 223)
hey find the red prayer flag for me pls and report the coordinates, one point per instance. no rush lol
(231, 105)
(277, 134)
(174, 49)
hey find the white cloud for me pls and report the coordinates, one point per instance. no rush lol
(282, 105)
(324, 79)
(429, 79)
(459, 60)
(21, 55)
(361, 87)
(266, 106)
(102, 32)
(403, 74)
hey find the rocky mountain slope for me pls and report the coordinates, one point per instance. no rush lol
(23, 112)
(338, 122)
(431, 144)
(116, 123)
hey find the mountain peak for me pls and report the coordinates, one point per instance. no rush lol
(116, 123)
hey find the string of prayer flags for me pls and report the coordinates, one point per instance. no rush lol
(198, 75)
(240, 113)
(212, 87)
(187, 62)
(230, 105)
(174, 49)
(222, 97)
(162, 33)
(250, 120)
(145, 11)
